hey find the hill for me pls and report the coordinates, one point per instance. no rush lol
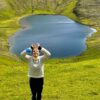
(89, 9)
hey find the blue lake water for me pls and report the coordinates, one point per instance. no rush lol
(60, 35)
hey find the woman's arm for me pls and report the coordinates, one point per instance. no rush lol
(46, 53)
(24, 53)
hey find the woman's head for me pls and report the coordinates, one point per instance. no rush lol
(35, 51)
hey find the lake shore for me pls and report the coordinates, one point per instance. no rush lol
(51, 26)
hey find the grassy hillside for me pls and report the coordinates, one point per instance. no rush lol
(70, 79)
(88, 9)
(75, 78)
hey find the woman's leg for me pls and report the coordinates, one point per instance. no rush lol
(32, 82)
(39, 88)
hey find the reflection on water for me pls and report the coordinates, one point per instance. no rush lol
(60, 35)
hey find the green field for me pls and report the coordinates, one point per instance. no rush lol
(71, 79)
(74, 78)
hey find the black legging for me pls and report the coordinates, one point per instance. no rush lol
(36, 85)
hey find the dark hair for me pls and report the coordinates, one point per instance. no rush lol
(37, 46)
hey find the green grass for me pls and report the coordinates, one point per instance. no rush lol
(43, 12)
(64, 79)
(68, 11)
(74, 78)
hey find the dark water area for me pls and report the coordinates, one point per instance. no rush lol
(60, 35)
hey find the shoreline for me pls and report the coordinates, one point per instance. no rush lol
(26, 27)
(16, 20)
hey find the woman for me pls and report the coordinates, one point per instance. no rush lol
(36, 68)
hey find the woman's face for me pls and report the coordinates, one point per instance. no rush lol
(35, 52)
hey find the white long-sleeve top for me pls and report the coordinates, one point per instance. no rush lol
(36, 68)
